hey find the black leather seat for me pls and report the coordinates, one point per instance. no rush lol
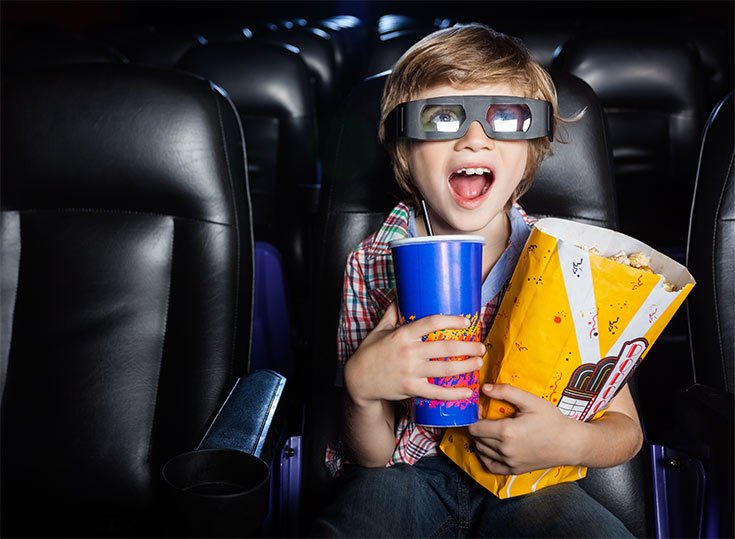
(386, 49)
(708, 406)
(127, 277)
(269, 86)
(652, 89)
(358, 192)
(395, 22)
(348, 37)
(159, 46)
(316, 50)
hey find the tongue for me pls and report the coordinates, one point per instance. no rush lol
(468, 186)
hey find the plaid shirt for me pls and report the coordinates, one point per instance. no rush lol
(369, 288)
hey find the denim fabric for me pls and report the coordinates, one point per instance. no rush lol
(434, 498)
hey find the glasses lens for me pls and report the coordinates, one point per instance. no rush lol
(442, 118)
(509, 118)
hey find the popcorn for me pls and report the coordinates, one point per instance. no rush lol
(620, 258)
(639, 261)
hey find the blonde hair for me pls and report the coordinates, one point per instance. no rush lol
(464, 56)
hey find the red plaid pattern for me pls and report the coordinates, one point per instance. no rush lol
(369, 288)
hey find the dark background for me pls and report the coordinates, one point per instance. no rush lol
(76, 15)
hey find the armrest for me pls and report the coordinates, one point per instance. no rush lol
(250, 419)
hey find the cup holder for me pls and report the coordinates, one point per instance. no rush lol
(216, 493)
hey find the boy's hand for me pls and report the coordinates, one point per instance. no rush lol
(394, 364)
(538, 436)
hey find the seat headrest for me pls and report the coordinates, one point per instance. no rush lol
(247, 71)
(119, 137)
(636, 71)
(316, 52)
(386, 49)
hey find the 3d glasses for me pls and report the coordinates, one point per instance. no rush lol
(445, 118)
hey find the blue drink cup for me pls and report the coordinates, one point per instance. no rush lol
(442, 275)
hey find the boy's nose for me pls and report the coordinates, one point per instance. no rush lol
(475, 138)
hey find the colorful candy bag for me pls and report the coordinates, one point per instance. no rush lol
(572, 327)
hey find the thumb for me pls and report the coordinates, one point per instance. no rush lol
(390, 318)
(522, 400)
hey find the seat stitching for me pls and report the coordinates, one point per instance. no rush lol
(117, 212)
(236, 317)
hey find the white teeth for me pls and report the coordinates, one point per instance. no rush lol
(471, 171)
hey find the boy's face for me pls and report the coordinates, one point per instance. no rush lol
(460, 201)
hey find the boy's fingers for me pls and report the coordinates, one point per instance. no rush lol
(487, 429)
(438, 369)
(434, 392)
(522, 400)
(442, 349)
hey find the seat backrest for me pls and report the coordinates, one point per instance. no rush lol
(269, 85)
(711, 255)
(316, 50)
(394, 22)
(386, 49)
(359, 191)
(349, 35)
(127, 278)
(652, 90)
(160, 46)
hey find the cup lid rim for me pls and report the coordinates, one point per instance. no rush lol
(466, 238)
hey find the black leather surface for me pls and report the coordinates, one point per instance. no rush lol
(576, 182)
(269, 86)
(711, 256)
(316, 51)
(707, 408)
(386, 49)
(358, 192)
(159, 46)
(132, 311)
(652, 90)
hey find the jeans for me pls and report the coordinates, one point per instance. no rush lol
(435, 498)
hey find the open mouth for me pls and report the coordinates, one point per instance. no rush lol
(470, 184)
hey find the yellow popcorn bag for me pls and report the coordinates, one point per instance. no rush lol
(572, 327)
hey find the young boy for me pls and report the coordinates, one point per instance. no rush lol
(470, 155)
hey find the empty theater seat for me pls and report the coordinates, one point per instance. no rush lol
(159, 46)
(127, 277)
(317, 53)
(652, 91)
(269, 86)
(386, 49)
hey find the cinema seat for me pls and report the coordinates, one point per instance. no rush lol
(127, 280)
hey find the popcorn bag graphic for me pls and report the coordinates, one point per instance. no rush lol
(572, 327)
